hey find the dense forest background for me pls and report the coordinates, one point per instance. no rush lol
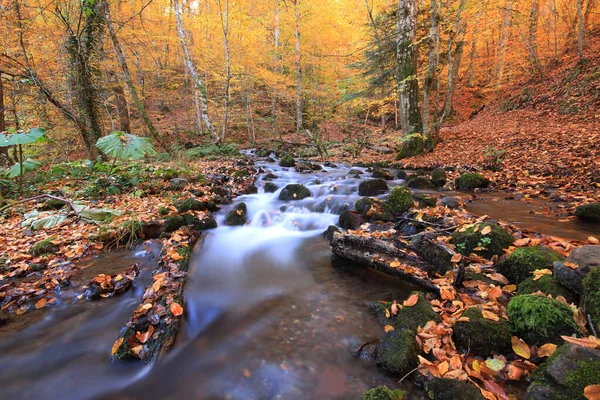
(191, 72)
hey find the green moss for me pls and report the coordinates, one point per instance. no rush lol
(363, 205)
(163, 211)
(471, 180)
(411, 146)
(523, 261)
(173, 222)
(481, 336)
(424, 200)
(383, 393)
(43, 247)
(591, 296)
(539, 320)
(242, 173)
(399, 200)
(451, 389)
(472, 241)
(287, 161)
(588, 212)
(420, 182)
(397, 352)
(548, 285)
(415, 316)
(190, 204)
(587, 373)
(401, 174)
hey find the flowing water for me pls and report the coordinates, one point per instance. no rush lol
(269, 314)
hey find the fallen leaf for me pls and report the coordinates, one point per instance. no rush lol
(116, 346)
(495, 389)
(522, 242)
(176, 309)
(490, 315)
(571, 265)
(486, 230)
(247, 373)
(592, 392)
(593, 240)
(412, 300)
(388, 328)
(41, 303)
(395, 308)
(546, 350)
(590, 342)
(538, 273)
(495, 364)
(520, 347)
(456, 258)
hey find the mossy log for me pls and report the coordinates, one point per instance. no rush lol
(151, 331)
(369, 251)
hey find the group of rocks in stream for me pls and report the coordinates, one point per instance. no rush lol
(497, 303)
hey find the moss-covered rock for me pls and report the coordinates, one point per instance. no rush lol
(200, 224)
(438, 177)
(565, 374)
(472, 241)
(401, 174)
(287, 161)
(238, 216)
(190, 204)
(270, 187)
(173, 222)
(372, 187)
(43, 247)
(294, 191)
(415, 316)
(411, 146)
(382, 174)
(471, 180)
(424, 200)
(523, 261)
(399, 200)
(588, 212)
(481, 336)
(591, 296)
(435, 253)
(383, 393)
(452, 389)
(363, 205)
(539, 320)
(163, 211)
(397, 352)
(420, 182)
(547, 284)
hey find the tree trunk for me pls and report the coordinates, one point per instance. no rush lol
(506, 24)
(299, 123)
(4, 157)
(225, 26)
(580, 30)
(408, 86)
(429, 79)
(275, 56)
(534, 60)
(128, 79)
(473, 52)
(120, 103)
(199, 84)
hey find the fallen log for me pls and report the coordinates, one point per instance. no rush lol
(151, 331)
(371, 251)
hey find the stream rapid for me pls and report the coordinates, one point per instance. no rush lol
(268, 313)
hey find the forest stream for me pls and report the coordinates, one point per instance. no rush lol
(269, 313)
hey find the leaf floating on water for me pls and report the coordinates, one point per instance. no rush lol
(520, 347)
(412, 300)
(546, 350)
(176, 309)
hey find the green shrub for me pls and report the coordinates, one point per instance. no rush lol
(539, 320)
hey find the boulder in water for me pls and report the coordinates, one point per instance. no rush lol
(399, 200)
(351, 220)
(294, 191)
(372, 187)
(270, 187)
(237, 216)
(397, 352)
(523, 261)
(420, 182)
(287, 161)
(438, 177)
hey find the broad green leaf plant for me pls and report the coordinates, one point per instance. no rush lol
(125, 146)
(19, 138)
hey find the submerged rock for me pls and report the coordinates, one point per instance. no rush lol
(523, 261)
(270, 187)
(238, 216)
(397, 352)
(294, 191)
(539, 320)
(372, 187)
(481, 336)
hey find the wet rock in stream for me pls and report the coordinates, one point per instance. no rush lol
(108, 285)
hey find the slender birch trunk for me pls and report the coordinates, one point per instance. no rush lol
(299, 104)
(197, 81)
(225, 27)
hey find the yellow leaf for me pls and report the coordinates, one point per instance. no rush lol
(486, 230)
(387, 313)
(41, 303)
(116, 346)
(520, 347)
(412, 300)
(546, 350)
(395, 264)
(571, 265)
(388, 328)
(118, 278)
(538, 273)
(593, 240)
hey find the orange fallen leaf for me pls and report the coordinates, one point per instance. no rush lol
(522, 242)
(593, 240)
(571, 265)
(538, 273)
(520, 347)
(116, 346)
(144, 337)
(247, 373)
(456, 258)
(546, 350)
(412, 300)
(41, 303)
(490, 315)
(590, 342)
(176, 309)
(592, 392)
(388, 328)
(486, 230)
(395, 308)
